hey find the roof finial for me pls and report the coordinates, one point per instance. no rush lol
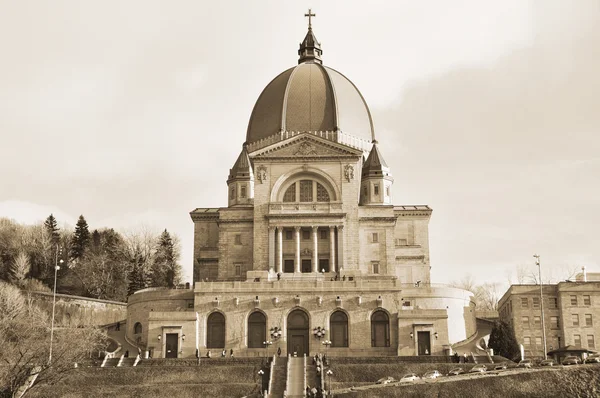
(310, 48)
(309, 15)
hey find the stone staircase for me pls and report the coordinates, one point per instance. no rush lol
(311, 375)
(295, 378)
(279, 378)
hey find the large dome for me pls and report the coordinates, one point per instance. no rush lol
(312, 98)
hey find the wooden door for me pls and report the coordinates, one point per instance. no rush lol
(424, 341)
(171, 345)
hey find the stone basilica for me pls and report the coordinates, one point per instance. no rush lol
(310, 248)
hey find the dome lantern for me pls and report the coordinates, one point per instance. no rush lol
(310, 48)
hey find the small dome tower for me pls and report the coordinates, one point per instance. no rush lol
(376, 181)
(240, 183)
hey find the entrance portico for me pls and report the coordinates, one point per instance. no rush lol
(301, 244)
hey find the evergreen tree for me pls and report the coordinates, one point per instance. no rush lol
(81, 239)
(165, 269)
(52, 229)
(139, 278)
(503, 340)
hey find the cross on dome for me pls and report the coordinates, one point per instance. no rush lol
(309, 15)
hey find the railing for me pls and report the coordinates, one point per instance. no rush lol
(336, 136)
(304, 384)
(287, 377)
(294, 208)
(271, 374)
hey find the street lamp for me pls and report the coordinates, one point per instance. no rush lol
(329, 373)
(56, 268)
(267, 344)
(261, 373)
(326, 343)
(537, 262)
(319, 332)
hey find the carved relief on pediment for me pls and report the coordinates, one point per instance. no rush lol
(305, 148)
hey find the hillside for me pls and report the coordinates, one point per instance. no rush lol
(580, 381)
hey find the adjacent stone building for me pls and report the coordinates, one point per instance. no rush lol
(310, 248)
(571, 315)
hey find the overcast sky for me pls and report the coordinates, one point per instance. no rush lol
(132, 112)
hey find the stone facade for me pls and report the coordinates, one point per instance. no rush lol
(310, 240)
(571, 315)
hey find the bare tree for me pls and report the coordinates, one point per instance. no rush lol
(19, 268)
(25, 345)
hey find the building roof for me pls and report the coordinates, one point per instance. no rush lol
(310, 97)
(242, 167)
(375, 165)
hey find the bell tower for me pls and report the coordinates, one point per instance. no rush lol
(376, 180)
(240, 184)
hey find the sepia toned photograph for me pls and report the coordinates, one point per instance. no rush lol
(285, 199)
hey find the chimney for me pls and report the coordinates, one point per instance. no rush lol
(584, 273)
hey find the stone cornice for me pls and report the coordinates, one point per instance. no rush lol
(238, 221)
(379, 219)
(314, 144)
(306, 215)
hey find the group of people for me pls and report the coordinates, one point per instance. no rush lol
(464, 358)
(315, 392)
(223, 353)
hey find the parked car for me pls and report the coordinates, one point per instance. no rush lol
(571, 360)
(594, 358)
(501, 366)
(478, 369)
(525, 363)
(409, 377)
(386, 380)
(434, 374)
(456, 371)
(548, 362)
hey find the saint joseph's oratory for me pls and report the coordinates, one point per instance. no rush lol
(310, 247)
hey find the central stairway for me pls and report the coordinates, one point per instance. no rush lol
(279, 377)
(295, 378)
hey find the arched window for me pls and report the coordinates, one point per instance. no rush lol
(306, 191)
(257, 329)
(380, 329)
(215, 331)
(339, 329)
(137, 328)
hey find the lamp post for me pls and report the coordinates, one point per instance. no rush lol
(537, 262)
(319, 332)
(329, 373)
(267, 344)
(276, 333)
(261, 373)
(326, 343)
(56, 268)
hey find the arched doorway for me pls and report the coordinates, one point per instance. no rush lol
(257, 330)
(297, 333)
(215, 330)
(380, 329)
(339, 329)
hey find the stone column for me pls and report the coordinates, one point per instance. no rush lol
(298, 265)
(271, 249)
(332, 248)
(315, 267)
(340, 246)
(280, 249)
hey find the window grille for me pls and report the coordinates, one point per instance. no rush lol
(290, 194)
(322, 194)
(306, 191)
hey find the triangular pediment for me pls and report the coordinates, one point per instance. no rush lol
(305, 146)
